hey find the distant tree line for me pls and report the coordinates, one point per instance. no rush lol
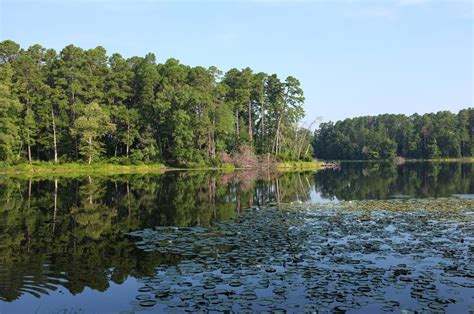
(433, 135)
(84, 105)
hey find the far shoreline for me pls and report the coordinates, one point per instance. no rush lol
(406, 160)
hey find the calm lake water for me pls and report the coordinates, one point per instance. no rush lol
(365, 238)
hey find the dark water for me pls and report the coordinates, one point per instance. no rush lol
(110, 244)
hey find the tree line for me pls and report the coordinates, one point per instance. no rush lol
(429, 136)
(83, 105)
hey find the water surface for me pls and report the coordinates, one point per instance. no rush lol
(365, 237)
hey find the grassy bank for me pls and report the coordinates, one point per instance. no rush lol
(105, 169)
(83, 169)
(299, 165)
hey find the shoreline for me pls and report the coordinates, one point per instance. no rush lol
(114, 169)
(408, 160)
(158, 168)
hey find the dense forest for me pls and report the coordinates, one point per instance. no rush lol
(82, 105)
(433, 135)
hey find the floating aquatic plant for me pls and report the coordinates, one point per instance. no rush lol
(392, 255)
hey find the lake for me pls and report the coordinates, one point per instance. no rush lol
(368, 237)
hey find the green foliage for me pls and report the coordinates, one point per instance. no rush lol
(84, 104)
(431, 136)
(10, 108)
(91, 125)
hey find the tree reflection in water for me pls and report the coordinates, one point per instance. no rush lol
(70, 232)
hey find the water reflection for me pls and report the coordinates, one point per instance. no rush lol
(70, 232)
(360, 181)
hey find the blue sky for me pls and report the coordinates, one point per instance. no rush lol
(352, 57)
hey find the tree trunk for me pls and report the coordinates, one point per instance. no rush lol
(237, 127)
(29, 148)
(250, 121)
(28, 130)
(213, 137)
(128, 140)
(277, 136)
(73, 102)
(209, 144)
(300, 146)
(20, 148)
(307, 149)
(54, 139)
(90, 150)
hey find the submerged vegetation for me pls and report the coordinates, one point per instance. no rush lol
(82, 105)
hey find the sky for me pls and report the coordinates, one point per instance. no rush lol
(352, 57)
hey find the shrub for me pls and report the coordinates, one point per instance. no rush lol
(245, 157)
(226, 158)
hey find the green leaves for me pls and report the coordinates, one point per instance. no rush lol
(10, 108)
(10, 140)
(92, 124)
(439, 135)
(84, 104)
